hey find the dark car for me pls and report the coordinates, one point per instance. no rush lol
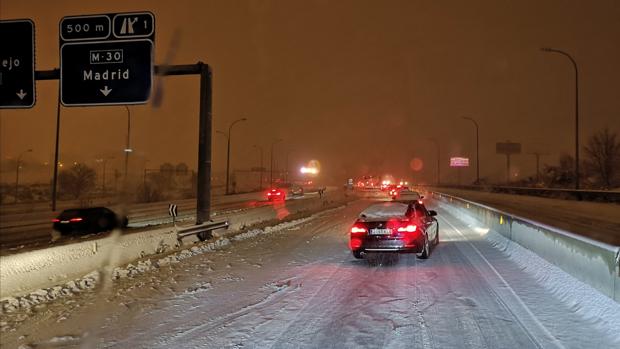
(296, 190)
(88, 220)
(276, 194)
(394, 227)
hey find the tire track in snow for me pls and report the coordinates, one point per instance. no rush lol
(529, 330)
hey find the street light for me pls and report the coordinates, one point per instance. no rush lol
(19, 160)
(477, 149)
(271, 167)
(104, 161)
(438, 159)
(260, 149)
(565, 54)
(228, 152)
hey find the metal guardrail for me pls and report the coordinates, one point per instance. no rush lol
(586, 195)
(593, 262)
(202, 231)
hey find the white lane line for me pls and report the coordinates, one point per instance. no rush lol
(508, 287)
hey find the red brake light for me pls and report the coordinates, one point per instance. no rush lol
(409, 228)
(55, 220)
(357, 229)
(77, 219)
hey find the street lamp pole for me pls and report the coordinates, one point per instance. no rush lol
(438, 159)
(19, 160)
(271, 167)
(477, 149)
(127, 144)
(260, 149)
(565, 54)
(228, 153)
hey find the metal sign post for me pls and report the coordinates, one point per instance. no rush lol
(508, 148)
(203, 201)
(459, 163)
(17, 87)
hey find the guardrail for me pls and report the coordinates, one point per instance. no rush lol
(586, 195)
(590, 261)
(202, 231)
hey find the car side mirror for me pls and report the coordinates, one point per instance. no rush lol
(421, 197)
(432, 213)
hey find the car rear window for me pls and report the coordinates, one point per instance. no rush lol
(409, 195)
(70, 213)
(385, 210)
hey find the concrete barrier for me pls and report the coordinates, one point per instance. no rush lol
(23, 272)
(590, 261)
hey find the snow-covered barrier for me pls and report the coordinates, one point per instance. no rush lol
(590, 261)
(23, 272)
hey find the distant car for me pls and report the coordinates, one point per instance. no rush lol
(88, 221)
(276, 194)
(407, 195)
(395, 227)
(296, 190)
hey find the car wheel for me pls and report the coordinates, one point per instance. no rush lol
(56, 235)
(425, 249)
(436, 240)
(358, 254)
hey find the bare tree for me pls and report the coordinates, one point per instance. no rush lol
(603, 156)
(77, 181)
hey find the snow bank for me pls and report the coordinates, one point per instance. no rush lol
(24, 272)
(27, 271)
(594, 263)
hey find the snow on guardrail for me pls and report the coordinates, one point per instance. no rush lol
(593, 262)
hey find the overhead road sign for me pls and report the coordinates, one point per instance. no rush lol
(17, 86)
(508, 148)
(106, 59)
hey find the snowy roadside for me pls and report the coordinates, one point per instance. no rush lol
(582, 298)
(23, 305)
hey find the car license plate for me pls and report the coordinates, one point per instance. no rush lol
(380, 231)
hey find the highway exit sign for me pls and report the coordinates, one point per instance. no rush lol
(106, 59)
(17, 87)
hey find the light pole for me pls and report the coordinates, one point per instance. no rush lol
(438, 159)
(19, 161)
(260, 149)
(104, 161)
(477, 149)
(127, 144)
(228, 152)
(537, 155)
(271, 167)
(565, 54)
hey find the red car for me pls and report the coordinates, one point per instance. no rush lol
(394, 227)
(276, 194)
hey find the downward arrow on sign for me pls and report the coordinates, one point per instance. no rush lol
(21, 94)
(106, 91)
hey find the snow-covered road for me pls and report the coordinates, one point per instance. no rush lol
(299, 287)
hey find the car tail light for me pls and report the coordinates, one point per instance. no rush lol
(55, 220)
(355, 243)
(77, 219)
(410, 228)
(278, 193)
(356, 229)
